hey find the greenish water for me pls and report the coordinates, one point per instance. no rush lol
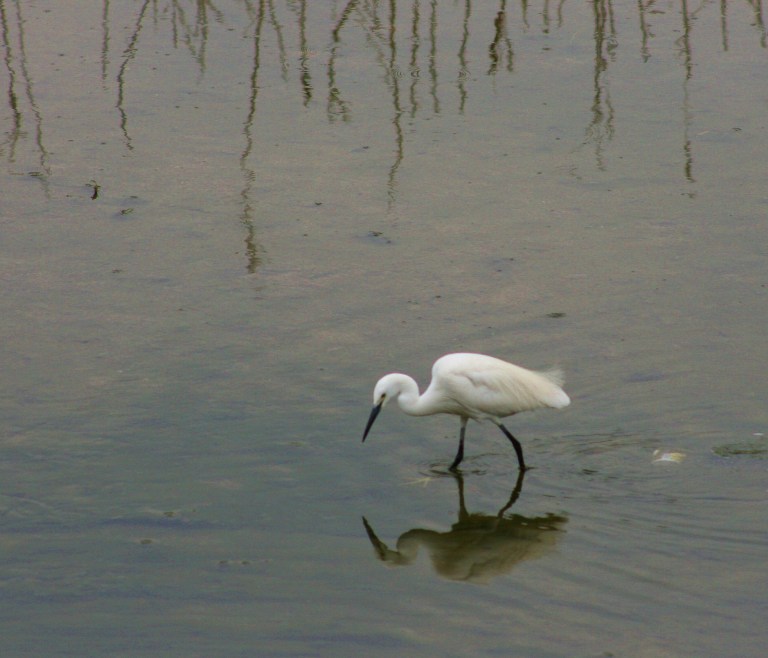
(221, 224)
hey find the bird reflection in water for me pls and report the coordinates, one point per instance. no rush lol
(479, 547)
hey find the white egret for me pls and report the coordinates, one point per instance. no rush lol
(472, 386)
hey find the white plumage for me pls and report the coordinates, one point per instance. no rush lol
(473, 386)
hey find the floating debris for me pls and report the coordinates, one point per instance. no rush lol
(95, 187)
(757, 449)
(668, 456)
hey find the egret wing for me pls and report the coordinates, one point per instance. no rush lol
(486, 386)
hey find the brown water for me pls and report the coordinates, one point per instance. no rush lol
(221, 223)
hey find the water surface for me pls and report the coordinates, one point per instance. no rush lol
(222, 223)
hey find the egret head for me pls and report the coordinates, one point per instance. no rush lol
(387, 388)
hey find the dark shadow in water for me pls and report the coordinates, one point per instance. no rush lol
(478, 547)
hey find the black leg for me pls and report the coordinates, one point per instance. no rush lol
(516, 445)
(515, 493)
(460, 453)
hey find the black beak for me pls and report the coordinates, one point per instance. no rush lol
(374, 412)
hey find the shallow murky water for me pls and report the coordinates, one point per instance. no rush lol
(222, 223)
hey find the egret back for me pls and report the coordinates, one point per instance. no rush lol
(488, 387)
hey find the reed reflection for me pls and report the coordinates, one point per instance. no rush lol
(601, 128)
(478, 547)
(128, 55)
(253, 259)
(21, 97)
(423, 57)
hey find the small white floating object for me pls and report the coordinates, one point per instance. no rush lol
(668, 456)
